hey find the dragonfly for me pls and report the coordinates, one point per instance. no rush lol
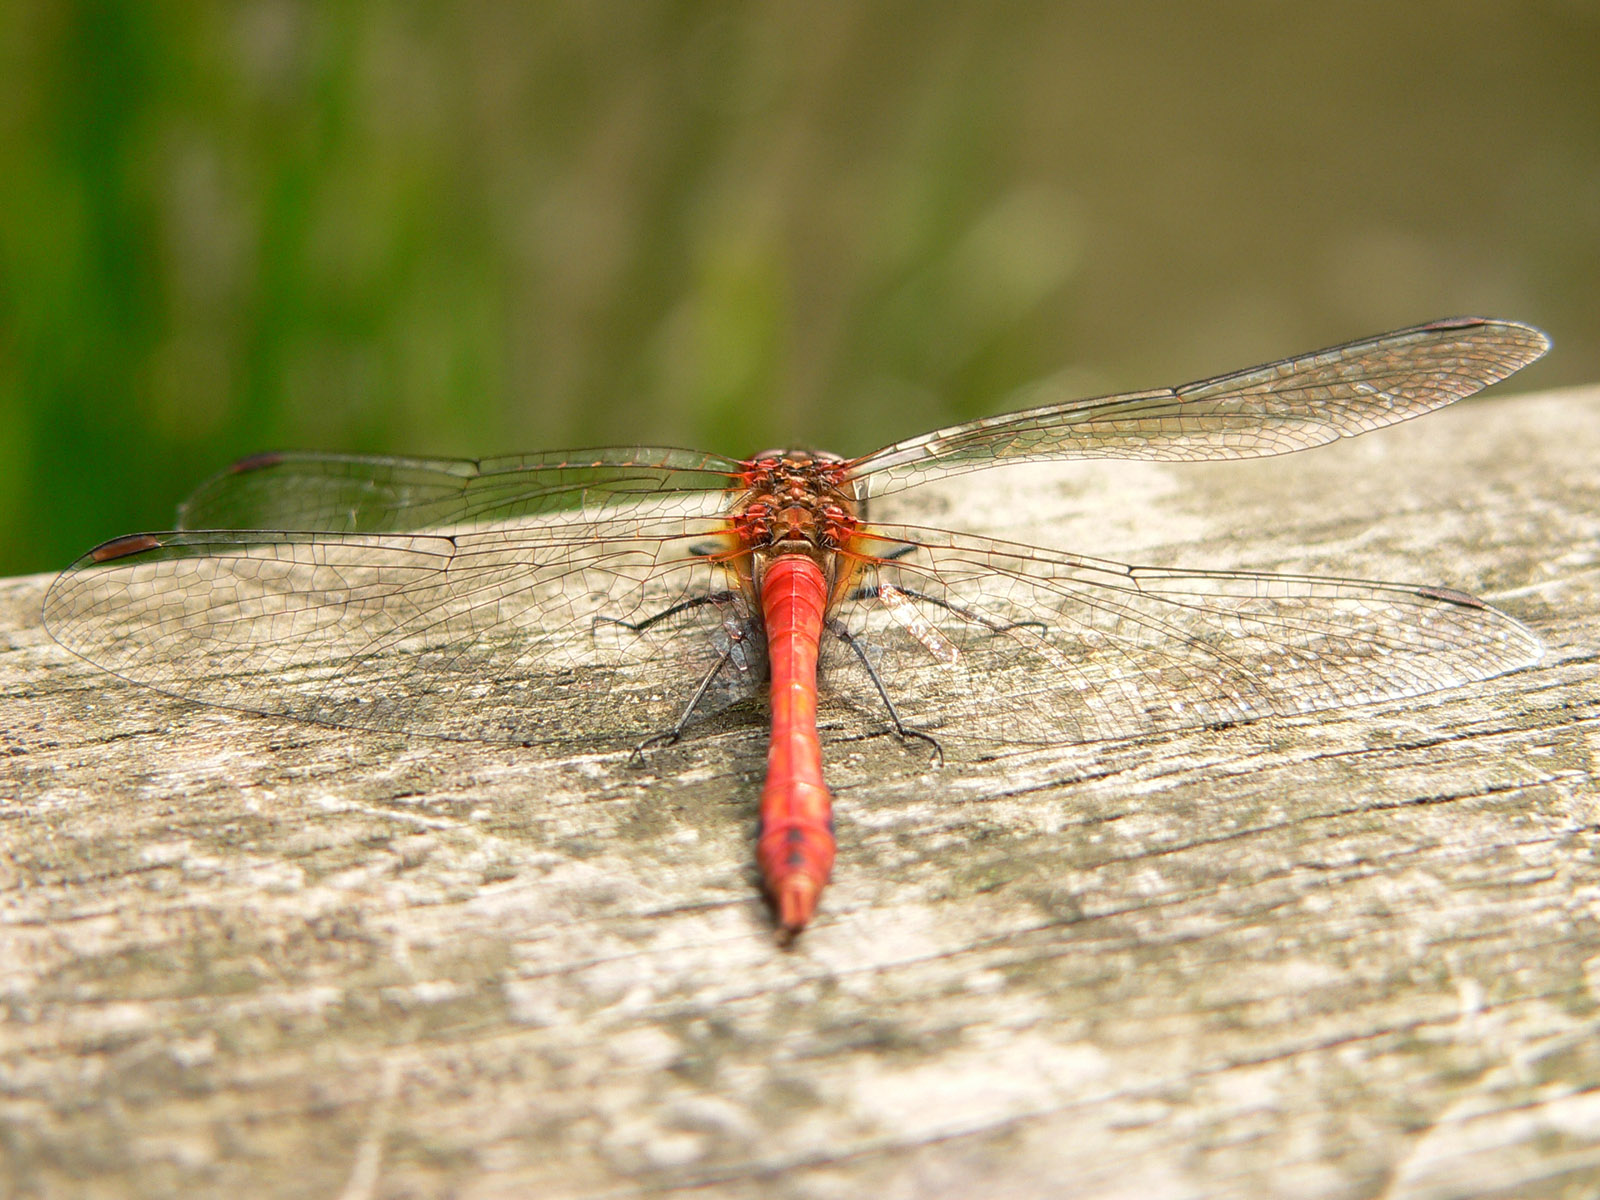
(531, 599)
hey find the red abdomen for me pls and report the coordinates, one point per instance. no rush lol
(796, 845)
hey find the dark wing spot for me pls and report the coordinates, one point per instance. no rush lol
(1451, 596)
(125, 547)
(256, 462)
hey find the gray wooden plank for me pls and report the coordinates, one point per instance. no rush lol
(1349, 954)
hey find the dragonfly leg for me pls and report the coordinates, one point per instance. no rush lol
(669, 736)
(901, 729)
(671, 611)
(869, 591)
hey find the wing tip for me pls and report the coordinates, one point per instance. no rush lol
(1531, 340)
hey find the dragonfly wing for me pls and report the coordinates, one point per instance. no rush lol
(1271, 409)
(508, 634)
(1055, 648)
(347, 493)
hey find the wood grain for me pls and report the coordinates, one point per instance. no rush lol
(1352, 954)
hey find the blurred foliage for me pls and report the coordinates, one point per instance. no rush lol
(475, 229)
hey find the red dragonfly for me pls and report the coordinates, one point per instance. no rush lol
(525, 599)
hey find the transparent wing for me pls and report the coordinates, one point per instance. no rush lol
(1030, 645)
(1271, 409)
(347, 493)
(517, 634)
(498, 634)
(492, 600)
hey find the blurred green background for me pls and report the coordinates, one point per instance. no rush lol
(483, 228)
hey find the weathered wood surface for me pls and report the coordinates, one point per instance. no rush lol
(1352, 954)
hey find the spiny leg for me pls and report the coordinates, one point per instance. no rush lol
(723, 597)
(668, 737)
(671, 611)
(902, 730)
(870, 591)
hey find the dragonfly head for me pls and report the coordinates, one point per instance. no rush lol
(796, 458)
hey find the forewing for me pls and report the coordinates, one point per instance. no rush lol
(502, 634)
(1271, 409)
(346, 493)
(1054, 648)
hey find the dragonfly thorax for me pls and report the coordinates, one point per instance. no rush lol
(795, 502)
